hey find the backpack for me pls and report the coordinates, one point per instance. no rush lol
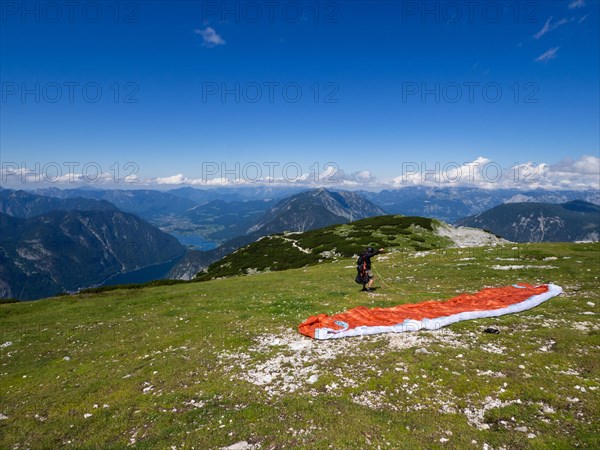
(361, 268)
(360, 261)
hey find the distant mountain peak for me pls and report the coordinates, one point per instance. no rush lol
(315, 208)
(576, 220)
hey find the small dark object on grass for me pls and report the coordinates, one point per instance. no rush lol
(492, 330)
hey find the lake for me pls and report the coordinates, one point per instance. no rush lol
(195, 241)
(143, 275)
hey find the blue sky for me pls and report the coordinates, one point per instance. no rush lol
(368, 86)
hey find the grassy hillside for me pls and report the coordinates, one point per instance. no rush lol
(294, 250)
(206, 365)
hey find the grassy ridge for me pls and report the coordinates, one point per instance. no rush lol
(182, 365)
(285, 251)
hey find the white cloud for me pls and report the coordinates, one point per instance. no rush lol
(562, 21)
(577, 4)
(174, 179)
(181, 179)
(9, 170)
(483, 173)
(212, 182)
(330, 176)
(210, 37)
(544, 29)
(362, 179)
(547, 55)
(586, 166)
(364, 175)
(549, 26)
(56, 174)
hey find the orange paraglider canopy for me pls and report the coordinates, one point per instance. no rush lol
(432, 314)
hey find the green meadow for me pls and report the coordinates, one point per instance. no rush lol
(209, 364)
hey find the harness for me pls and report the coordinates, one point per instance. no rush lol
(363, 270)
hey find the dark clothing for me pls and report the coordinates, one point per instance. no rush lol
(367, 257)
(363, 266)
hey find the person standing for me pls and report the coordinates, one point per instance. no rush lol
(363, 266)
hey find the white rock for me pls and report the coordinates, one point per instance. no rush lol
(67, 358)
(6, 344)
(422, 350)
(242, 445)
(468, 237)
(521, 429)
(3, 416)
(86, 415)
(313, 379)
(518, 267)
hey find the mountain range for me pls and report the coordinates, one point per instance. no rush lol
(65, 243)
(25, 205)
(536, 222)
(308, 210)
(177, 211)
(66, 249)
(70, 239)
(146, 203)
(226, 214)
(213, 215)
(452, 204)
